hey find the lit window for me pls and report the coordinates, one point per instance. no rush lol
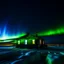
(40, 42)
(33, 41)
(18, 41)
(25, 42)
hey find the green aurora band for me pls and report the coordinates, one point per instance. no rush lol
(12, 37)
(52, 32)
(30, 38)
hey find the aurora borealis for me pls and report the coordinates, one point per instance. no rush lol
(31, 32)
(4, 35)
(52, 32)
(44, 33)
(31, 37)
(16, 19)
(11, 37)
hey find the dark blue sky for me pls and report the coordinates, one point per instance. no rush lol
(30, 16)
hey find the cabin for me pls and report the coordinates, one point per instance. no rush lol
(31, 41)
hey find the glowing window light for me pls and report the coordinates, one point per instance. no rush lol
(25, 42)
(18, 41)
(33, 41)
(40, 42)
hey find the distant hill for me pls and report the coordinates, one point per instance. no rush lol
(54, 39)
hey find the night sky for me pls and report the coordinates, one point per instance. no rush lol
(30, 16)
